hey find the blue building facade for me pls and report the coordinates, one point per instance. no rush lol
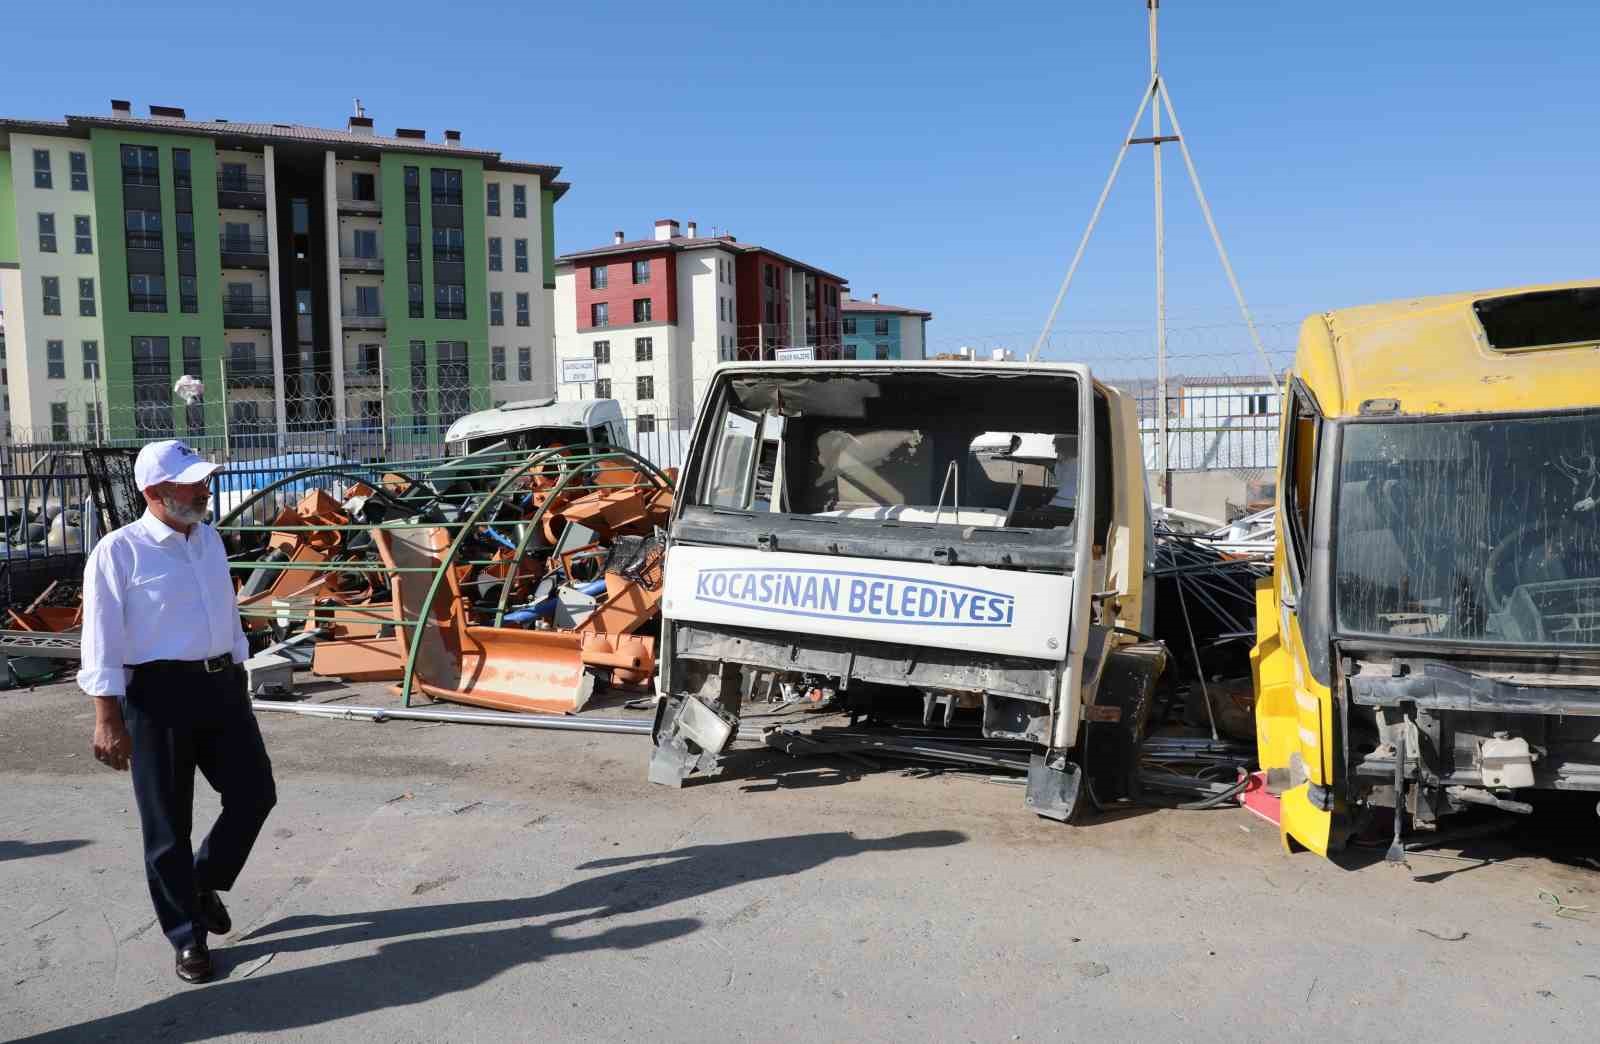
(873, 330)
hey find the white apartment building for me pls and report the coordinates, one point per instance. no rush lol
(657, 315)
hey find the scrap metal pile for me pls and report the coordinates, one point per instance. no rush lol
(1206, 615)
(505, 579)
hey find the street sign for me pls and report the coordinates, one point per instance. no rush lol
(579, 371)
(793, 354)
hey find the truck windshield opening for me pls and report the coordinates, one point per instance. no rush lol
(992, 451)
(1471, 530)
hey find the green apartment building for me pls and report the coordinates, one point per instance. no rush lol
(312, 279)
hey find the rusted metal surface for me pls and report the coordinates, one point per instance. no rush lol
(512, 581)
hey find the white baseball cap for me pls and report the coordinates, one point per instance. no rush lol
(170, 461)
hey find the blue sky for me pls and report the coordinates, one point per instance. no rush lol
(947, 155)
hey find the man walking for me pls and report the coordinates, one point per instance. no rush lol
(163, 657)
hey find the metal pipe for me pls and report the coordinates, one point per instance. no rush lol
(620, 726)
(554, 722)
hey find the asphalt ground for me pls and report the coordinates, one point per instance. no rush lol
(423, 882)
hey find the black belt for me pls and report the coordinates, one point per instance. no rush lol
(215, 665)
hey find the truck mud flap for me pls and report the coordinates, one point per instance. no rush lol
(1055, 785)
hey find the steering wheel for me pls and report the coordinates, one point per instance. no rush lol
(1571, 533)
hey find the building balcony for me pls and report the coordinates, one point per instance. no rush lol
(350, 263)
(450, 311)
(360, 206)
(362, 379)
(247, 313)
(359, 321)
(250, 372)
(243, 251)
(147, 302)
(242, 192)
(449, 255)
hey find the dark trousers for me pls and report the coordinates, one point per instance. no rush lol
(182, 718)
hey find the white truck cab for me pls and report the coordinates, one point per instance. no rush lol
(533, 423)
(965, 536)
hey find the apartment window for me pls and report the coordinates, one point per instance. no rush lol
(141, 166)
(882, 351)
(91, 418)
(455, 397)
(188, 294)
(769, 275)
(419, 384)
(641, 310)
(449, 244)
(369, 357)
(497, 363)
(646, 423)
(413, 242)
(144, 229)
(413, 185)
(52, 294)
(85, 296)
(234, 178)
(152, 387)
(58, 422)
(643, 349)
(55, 360)
(602, 351)
(597, 277)
(492, 194)
(235, 236)
(645, 388)
(414, 300)
(41, 168)
(446, 185)
(79, 164)
(519, 201)
(522, 310)
(772, 312)
(524, 364)
(641, 272)
(849, 326)
(602, 388)
(599, 314)
(147, 293)
(241, 358)
(194, 413)
(47, 233)
(880, 327)
(497, 308)
(372, 414)
(365, 242)
(83, 234)
(363, 187)
(367, 301)
(496, 262)
(449, 301)
(180, 169)
(521, 246)
(91, 360)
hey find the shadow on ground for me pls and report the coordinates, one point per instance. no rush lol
(428, 954)
(10, 850)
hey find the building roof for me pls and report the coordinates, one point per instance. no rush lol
(682, 243)
(853, 305)
(1431, 355)
(284, 133)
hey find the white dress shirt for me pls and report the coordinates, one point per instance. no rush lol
(150, 593)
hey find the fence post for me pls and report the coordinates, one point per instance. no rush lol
(227, 435)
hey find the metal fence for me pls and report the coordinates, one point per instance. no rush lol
(1215, 423)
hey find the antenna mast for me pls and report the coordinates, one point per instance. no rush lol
(1156, 92)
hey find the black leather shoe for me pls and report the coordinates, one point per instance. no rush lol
(212, 914)
(194, 963)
